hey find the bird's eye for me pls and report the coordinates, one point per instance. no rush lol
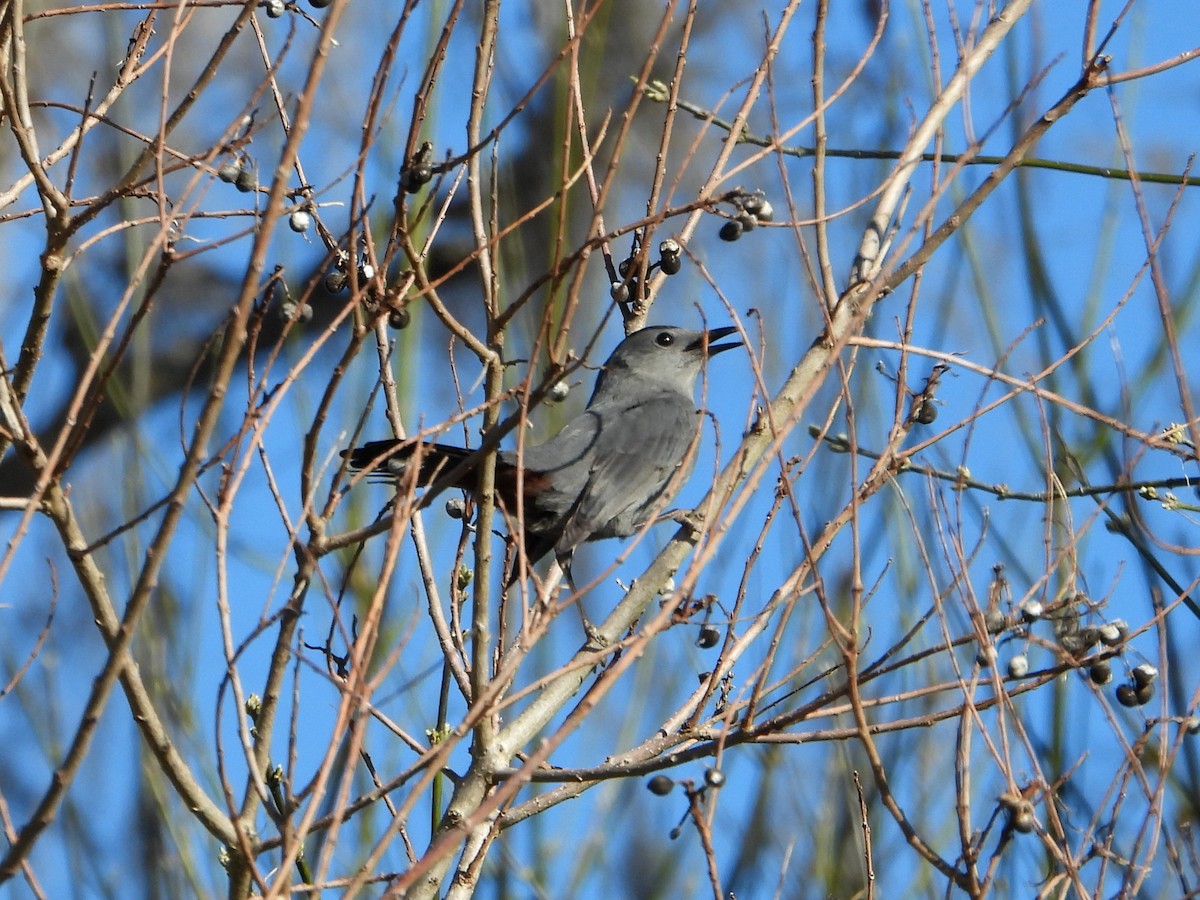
(664, 339)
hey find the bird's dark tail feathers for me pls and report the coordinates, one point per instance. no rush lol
(390, 460)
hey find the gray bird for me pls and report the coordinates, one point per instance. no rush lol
(604, 472)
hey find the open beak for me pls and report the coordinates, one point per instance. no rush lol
(711, 337)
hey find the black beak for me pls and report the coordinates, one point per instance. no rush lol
(711, 337)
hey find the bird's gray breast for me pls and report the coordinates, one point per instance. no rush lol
(610, 466)
(630, 476)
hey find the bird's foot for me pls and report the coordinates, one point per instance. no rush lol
(595, 640)
(690, 519)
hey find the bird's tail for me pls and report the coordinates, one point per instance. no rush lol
(440, 467)
(392, 461)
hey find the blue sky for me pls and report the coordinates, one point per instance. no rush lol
(976, 300)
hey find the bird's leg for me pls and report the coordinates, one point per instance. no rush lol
(595, 638)
(691, 519)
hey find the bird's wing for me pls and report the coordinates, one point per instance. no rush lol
(636, 451)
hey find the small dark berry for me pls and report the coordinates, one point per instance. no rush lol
(245, 181)
(1024, 821)
(709, 636)
(1127, 695)
(1121, 629)
(335, 282)
(417, 177)
(1100, 672)
(229, 172)
(731, 230)
(927, 413)
(660, 785)
(714, 778)
(669, 260)
(1144, 674)
(399, 319)
(765, 211)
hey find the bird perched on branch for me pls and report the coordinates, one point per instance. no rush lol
(604, 473)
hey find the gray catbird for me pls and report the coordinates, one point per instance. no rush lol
(607, 469)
